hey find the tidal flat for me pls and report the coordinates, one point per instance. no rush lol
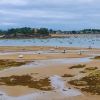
(47, 72)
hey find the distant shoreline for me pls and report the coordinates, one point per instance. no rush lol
(27, 32)
(52, 36)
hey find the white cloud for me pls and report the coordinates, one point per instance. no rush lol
(13, 2)
(49, 11)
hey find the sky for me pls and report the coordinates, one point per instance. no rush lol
(55, 14)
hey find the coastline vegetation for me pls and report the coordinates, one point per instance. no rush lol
(27, 32)
(24, 32)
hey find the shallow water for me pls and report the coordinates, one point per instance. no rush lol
(42, 63)
(70, 42)
(60, 86)
(57, 83)
(25, 97)
(30, 52)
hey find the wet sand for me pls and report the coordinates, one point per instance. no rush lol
(40, 53)
(48, 65)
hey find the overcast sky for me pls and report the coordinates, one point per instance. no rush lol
(56, 14)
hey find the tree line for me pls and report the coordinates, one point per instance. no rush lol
(41, 32)
(25, 32)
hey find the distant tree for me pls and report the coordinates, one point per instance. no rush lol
(1, 32)
(51, 31)
(43, 31)
(74, 32)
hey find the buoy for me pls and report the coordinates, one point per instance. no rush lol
(20, 56)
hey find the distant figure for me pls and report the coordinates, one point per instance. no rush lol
(80, 52)
(20, 56)
(64, 51)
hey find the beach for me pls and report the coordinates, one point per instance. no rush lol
(49, 49)
(52, 63)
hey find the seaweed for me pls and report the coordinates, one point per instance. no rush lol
(68, 75)
(92, 82)
(77, 66)
(89, 69)
(8, 63)
(97, 57)
(27, 80)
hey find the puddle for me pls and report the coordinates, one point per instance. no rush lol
(57, 83)
(59, 86)
(30, 52)
(41, 63)
(33, 96)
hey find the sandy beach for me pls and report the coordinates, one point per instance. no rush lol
(50, 50)
(51, 62)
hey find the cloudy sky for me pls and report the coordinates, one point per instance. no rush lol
(56, 14)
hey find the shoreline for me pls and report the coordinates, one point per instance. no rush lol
(44, 48)
(58, 35)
